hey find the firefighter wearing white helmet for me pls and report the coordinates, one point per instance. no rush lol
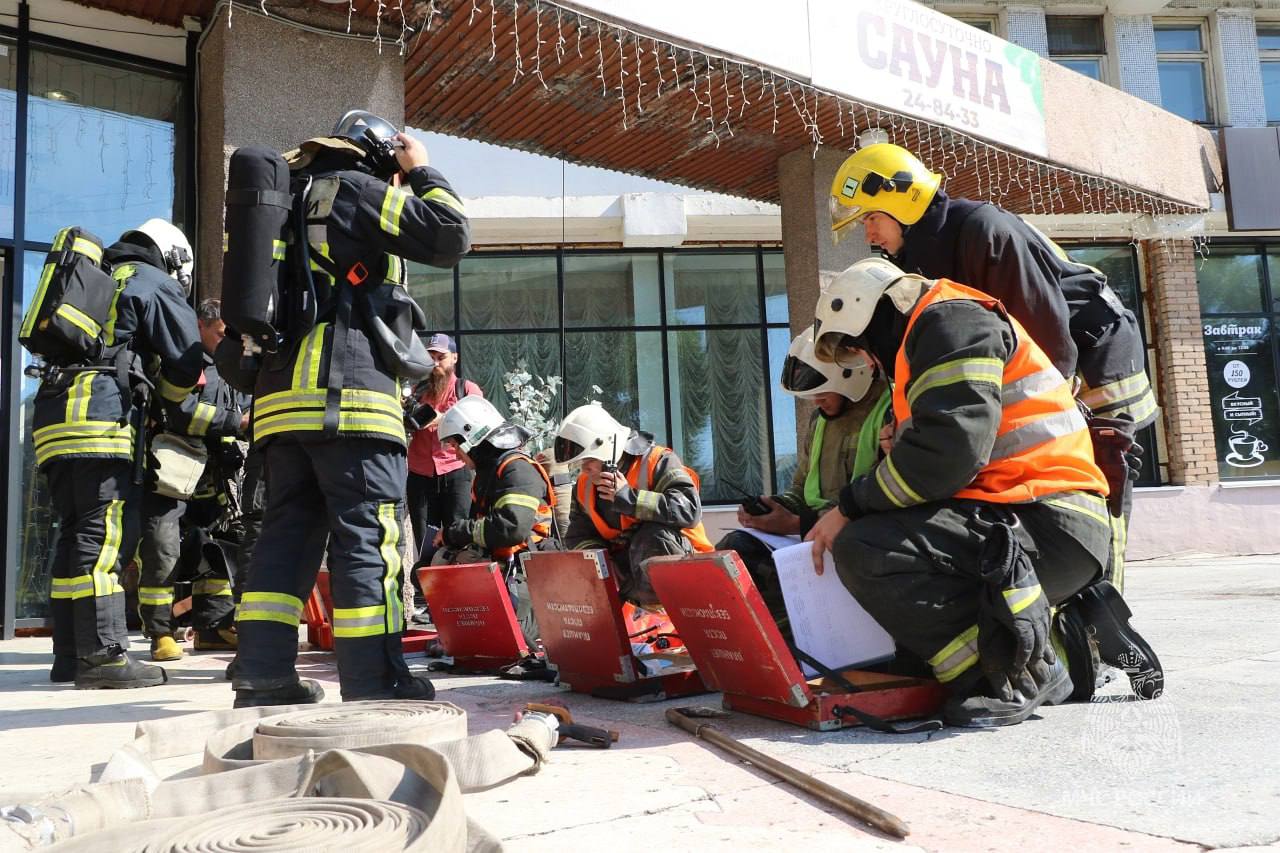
(987, 508)
(824, 464)
(513, 502)
(634, 497)
(90, 436)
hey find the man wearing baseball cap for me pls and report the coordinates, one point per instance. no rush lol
(439, 486)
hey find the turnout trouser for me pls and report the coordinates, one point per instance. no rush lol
(348, 492)
(158, 552)
(213, 560)
(915, 570)
(253, 502)
(96, 503)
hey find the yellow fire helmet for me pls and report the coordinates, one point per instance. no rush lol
(881, 177)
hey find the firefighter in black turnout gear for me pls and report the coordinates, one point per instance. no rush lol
(212, 416)
(88, 430)
(327, 409)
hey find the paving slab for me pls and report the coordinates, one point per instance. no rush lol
(1197, 769)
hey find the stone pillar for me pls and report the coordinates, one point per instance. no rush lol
(1235, 39)
(1183, 379)
(811, 260)
(1025, 27)
(1135, 42)
(263, 82)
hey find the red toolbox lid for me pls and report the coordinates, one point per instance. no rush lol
(720, 616)
(579, 613)
(472, 612)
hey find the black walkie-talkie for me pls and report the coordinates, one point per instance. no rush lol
(752, 504)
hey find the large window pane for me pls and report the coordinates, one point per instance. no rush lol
(1268, 36)
(1091, 68)
(627, 368)
(1182, 90)
(8, 130)
(1069, 34)
(1271, 90)
(432, 288)
(1171, 38)
(487, 359)
(1230, 280)
(508, 293)
(783, 414)
(706, 289)
(775, 288)
(1243, 396)
(1117, 264)
(101, 146)
(37, 528)
(611, 290)
(718, 413)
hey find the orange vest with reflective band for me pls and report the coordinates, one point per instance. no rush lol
(1042, 446)
(541, 525)
(696, 535)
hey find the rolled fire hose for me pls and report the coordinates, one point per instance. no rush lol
(395, 769)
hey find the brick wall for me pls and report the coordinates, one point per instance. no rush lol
(1025, 27)
(1236, 49)
(1183, 379)
(1136, 44)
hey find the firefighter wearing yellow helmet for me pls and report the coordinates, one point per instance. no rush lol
(1067, 307)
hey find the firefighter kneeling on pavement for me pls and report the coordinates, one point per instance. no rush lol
(512, 501)
(634, 498)
(987, 509)
(825, 466)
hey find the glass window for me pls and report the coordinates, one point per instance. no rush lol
(1230, 280)
(784, 413)
(509, 293)
(987, 25)
(8, 130)
(486, 359)
(1182, 64)
(1243, 395)
(776, 309)
(1269, 55)
(707, 289)
(611, 290)
(626, 367)
(1077, 43)
(38, 529)
(717, 409)
(432, 288)
(101, 145)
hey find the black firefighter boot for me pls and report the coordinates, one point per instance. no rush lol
(290, 690)
(976, 703)
(1106, 616)
(112, 669)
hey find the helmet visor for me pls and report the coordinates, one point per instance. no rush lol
(565, 449)
(799, 377)
(844, 218)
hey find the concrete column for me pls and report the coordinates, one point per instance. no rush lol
(1135, 42)
(1183, 378)
(1235, 38)
(811, 259)
(263, 82)
(1025, 27)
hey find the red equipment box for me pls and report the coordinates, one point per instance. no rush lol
(472, 612)
(579, 612)
(722, 619)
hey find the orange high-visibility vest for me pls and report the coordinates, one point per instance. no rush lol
(1042, 446)
(696, 535)
(541, 525)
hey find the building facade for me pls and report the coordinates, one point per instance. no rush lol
(673, 308)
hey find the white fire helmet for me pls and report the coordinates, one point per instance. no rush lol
(805, 376)
(589, 432)
(470, 421)
(173, 245)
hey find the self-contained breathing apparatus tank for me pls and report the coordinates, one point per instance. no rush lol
(258, 205)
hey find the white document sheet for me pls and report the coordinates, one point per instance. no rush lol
(773, 540)
(826, 620)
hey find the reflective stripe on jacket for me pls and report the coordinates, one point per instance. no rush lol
(640, 476)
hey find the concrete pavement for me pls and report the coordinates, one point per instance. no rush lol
(1198, 768)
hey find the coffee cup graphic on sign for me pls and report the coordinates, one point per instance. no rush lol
(1246, 450)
